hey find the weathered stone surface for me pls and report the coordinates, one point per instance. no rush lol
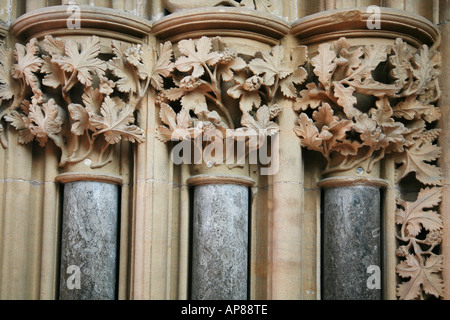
(351, 243)
(89, 240)
(220, 242)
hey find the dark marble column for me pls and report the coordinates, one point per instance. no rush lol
(89, 241)
(351, 242)
(220, 247)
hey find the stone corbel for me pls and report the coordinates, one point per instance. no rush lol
(365, 102)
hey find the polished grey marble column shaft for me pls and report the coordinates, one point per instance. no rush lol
(220, 242)
(351, 243)
(89, 241)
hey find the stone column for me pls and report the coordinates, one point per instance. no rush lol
(351, 239)
(89, 248)
(220, 246)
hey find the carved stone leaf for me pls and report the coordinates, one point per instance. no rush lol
(415, 159)
(115, 123)
(27, 63)
(393, 136)
(337, 141)
(249, 99)
(324, 116)
(9, 87)
(400, 61)
(195, 101)
(309, 98)
(382, 112)
(346, 99)
(368, 86)
(120, 67)
(22, 123)
(411, 108)
(81, 119)
(46, 120)
(287, 85)
(261, 121)
(271, 64)
(197, 54)
(83, 60)
(308, 133)
(225, 70)
(373, 56)
(423, 70)
(92, 99)
(163, 66)
(54, 46)
(324, 64)
(178, 124)
(352, 60)
(414, 216)
(54, 74)
(370, 132)
(422, 277)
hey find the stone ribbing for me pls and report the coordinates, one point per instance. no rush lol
(351, 236)
(220, 242)
(89, 241)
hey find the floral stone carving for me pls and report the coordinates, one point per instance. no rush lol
(368, 101)
(206, 73)
(69, 93)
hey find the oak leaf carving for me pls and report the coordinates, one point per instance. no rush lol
(324, 64)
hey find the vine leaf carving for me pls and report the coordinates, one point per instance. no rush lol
(271, 65)
(46, 121)
(413, 216)
(121, 68)
(81, 119)
(197, 55)
(21, 122)
(83, 61)
(27, 63)
(178, 124)
(9, 87)
(416, 158)
(115, 122)
(423, 277)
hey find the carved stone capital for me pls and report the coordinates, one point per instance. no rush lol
(368, 101)
(225, 97)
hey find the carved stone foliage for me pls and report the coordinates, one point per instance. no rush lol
(72, 94)
(420, 236)
(207, 74)
(367, 101)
